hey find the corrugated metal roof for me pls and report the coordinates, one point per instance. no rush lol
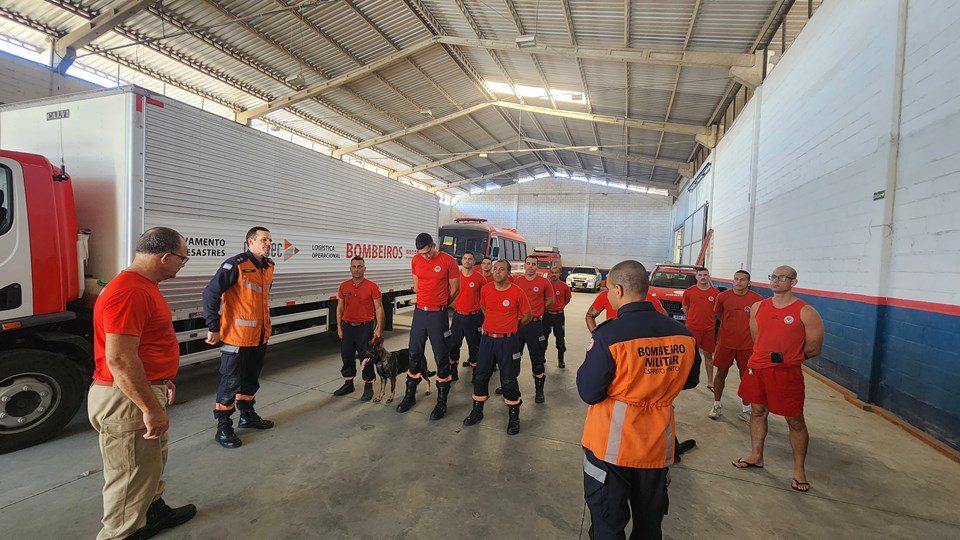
(242, 64)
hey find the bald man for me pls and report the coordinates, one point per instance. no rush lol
(786, 331)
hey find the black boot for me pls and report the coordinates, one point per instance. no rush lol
(410, 398)
(250, 419)
(498, 391)
(225, 435)
(347, 388)
(538, 381)
(513, 419)
(476, 415)
(454, 372)
(466, 363)
(443, 389)
(560, 363)
(160, 516)
(367, 391)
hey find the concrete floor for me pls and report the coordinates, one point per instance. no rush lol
(339, 468)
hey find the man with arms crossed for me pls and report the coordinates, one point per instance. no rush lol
(136, 354)
(539, 293)
(735, 342)
(786, 331)
(698, 305)
(634, 368)
(359, 308)
(505, 310)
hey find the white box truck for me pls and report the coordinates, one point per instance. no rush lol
(134, 161)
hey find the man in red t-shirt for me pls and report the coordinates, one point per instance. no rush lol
(136, 354)
(786, 331)
(359, 305)
(486, 269)
(467, 317)
(735, 342)
(698, 304)
(436, 279)
(602, 304)
(553, 319)
(539, 293)
(506, 309)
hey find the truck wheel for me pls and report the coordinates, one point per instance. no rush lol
(40, 391)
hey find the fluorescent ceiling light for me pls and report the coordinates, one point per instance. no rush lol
(526, 40)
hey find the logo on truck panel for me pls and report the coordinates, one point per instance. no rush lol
(286, 251)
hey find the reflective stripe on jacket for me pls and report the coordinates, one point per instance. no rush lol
(634, 368)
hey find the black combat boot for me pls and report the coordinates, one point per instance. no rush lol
(560, 363)
(250, 419)
(347, 388)
(410, 398)
(476, 415)
(538, 381)
(225, 434)
(513, 419)
(454, 372)
(443, 389)
(367, 391)
(160, 516)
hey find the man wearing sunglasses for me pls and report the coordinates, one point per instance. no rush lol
(436, 280)
(241, 287)
(786, 331)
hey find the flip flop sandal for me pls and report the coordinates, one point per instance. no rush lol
(796, 484)
(746, 465)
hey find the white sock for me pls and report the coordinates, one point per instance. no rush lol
(746, 408)
(716, 403)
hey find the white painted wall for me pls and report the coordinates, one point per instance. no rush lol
(591, 224)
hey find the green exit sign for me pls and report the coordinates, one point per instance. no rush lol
(877, 195)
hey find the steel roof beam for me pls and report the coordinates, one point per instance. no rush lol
(660, 57)
(451, 159)
(685, 168)
(65, 49)
(671, 188)
(497, 174)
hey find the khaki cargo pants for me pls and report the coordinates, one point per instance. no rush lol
(132, 465)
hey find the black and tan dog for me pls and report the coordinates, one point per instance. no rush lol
(390, 365)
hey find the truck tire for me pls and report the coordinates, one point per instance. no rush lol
(40, 392)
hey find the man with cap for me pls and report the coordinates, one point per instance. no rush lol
(436, 280)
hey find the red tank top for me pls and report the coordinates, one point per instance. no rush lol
(778, 330)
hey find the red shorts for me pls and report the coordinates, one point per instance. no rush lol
(780, 388)
(706, 339)
(724, 357)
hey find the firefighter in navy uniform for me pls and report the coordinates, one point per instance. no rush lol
(634, 368)
(436, 279)
(241, 287)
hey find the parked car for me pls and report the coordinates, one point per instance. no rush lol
(667, 283)
(585, 278)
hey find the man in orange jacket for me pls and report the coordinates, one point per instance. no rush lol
(635, 366)
(241, 287)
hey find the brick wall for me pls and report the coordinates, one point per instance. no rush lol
(822, 130)
(590, 224)
(22, 80)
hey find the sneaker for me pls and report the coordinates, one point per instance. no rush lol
(715, 412)
(744, 415)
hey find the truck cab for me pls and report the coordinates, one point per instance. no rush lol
(43, 358)
(548, 258)
(667, 283)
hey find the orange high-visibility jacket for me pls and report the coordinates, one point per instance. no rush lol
(241, 287)
(634, 368)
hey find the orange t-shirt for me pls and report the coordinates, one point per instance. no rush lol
(538, 290)
(700, 305)
(132, 305)
(502, 309)
(468, 299)
(433, 278)
(357, 298)
(734, 312)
